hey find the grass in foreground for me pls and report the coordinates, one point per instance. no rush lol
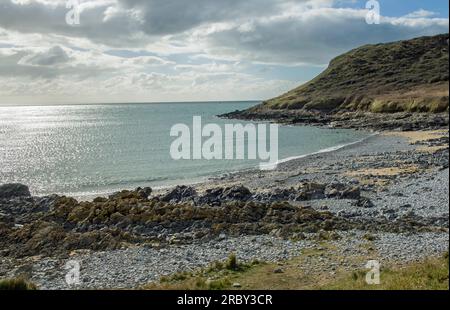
(218, 276)
(17, 284)
(430, 274)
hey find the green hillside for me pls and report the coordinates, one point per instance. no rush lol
(407, 75)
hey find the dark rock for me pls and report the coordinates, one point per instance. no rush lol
(211, 197)
(278, 270)
(100, 199)
(8, 191)
(311, 191)
(217, 196)
(240, 193)
(334, 190)
(364, 202)
(179, 194)
(144, 192)
(351, 193)
(5, 218)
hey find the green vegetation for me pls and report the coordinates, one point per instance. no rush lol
(17, 284)
(232, 263)
(430, 274)
(384, 78)
(217, 276)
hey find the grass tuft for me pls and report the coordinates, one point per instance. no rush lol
(17, 284)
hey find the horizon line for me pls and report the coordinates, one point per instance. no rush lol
(125, 103)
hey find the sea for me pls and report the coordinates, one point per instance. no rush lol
(94, 150)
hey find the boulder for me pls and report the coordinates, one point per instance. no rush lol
(240, 193)
(144, 192)
(8, 191)
(215, 196)
(364, 202)
(139, 193)
(342, 191)
(179, 194)
(334, 190)
(311, 191)
(6, 218)
(211, 197)
(353, 192)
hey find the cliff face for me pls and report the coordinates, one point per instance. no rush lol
(404, 76)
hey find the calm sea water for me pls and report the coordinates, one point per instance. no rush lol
(84, 150)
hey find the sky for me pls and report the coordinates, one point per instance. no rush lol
(187, 50)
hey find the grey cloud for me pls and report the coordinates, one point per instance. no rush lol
(315, 39)
(36, 17)
(256, 33)
(304, 38)
(163, 17)
(53, 56)
(128, 20)
(48, 64)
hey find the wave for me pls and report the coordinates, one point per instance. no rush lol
(326, 150)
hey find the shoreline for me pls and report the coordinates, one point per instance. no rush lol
(90, 196)
(329, 149)
(385, 197)
(204, 179)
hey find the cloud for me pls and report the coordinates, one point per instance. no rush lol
(420, 14)
(164, 17)
(149, 61)
(53, 56)
(183, 50)
(315, 36)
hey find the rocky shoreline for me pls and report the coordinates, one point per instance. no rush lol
(360, 120)
(390, 190)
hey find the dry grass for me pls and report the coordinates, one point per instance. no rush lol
(432, 149)
(430, 274)
(17, 284)
(418, 136)
(387, 171)
(296, 274)
(422, 98)
(300, 274)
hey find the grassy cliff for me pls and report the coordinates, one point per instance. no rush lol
(410, 76)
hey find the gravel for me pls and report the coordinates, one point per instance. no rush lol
(134, 267)
(427, 195)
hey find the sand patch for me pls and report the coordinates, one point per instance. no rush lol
(387, 171)
(418, 136)
(432, 149)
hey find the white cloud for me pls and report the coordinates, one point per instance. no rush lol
(180, 50)
(420, 14)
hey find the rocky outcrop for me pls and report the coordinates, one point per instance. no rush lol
(179, 194)
(138, 193)
(8, 191)
(57, 225)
